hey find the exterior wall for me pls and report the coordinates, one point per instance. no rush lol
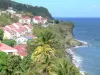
(21, 21)
(17, 34)
(7, 35)
(21, 40)
(45, 21)
(14, 52)
(27, 21)
(41, 21)
(29, 30)
(35, 21)
(11, 11)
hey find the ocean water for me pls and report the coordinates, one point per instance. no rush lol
(87, 29)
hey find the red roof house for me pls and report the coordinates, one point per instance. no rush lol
(8, 49)
(21, 50)
(39, 19)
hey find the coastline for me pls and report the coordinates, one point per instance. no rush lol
(74, 58)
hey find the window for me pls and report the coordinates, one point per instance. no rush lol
(10, 53)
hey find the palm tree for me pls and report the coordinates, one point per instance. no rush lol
(64, 67)
(43, 53)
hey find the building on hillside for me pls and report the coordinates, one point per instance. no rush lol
(29, 28)
(21, 50)
(21, 40)
(39, 19)
(16, 30)
(17, 50)
(17, 15)
(10, 10)
(7, 49)
(7, 33)
(25, 20)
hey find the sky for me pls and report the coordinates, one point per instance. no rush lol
(68, 8)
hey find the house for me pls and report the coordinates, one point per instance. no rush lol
(16, 30)
(7, 33)
(39, 19)
(7, 49)
(25, 20)
(17, 50)
(21, 50)
(21, 40)
(17, 15)
(29, 28)
(10, 10)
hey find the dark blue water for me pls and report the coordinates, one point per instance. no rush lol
(88, 29)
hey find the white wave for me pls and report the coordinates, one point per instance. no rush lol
(84, 42)
(77, 60)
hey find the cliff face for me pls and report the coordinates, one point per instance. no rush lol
(35, 10)
(69, 39)
(64, 32)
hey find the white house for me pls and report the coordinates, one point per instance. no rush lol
(17, 15)
(25, 20)
(21, 40)
(10, 10)
(39, 19)
(7, 33)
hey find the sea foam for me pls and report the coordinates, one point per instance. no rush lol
(76, 59)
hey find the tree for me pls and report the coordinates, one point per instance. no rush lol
(12, 65)
(9, 42)
(43, 53)
(57, 21)
(63, 66)
(1, 34)
(3, 59)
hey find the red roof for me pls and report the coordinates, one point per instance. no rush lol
(14, 31)
(37, 17)
(22, 29)
(6, 29)
(12, 26)
(21, 49)
(43, 19)
(4, 47)
(18, 30)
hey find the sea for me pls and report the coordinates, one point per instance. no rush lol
(87, 30)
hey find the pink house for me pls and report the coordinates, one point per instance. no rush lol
(17, 50)
(16, 30)
(7, 49)
(21, 50)
(39, 19)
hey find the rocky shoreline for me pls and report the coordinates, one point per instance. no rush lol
(72, 55)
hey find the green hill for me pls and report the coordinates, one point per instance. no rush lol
(35, 10)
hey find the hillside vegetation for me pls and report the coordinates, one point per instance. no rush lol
(46, 54)
(6, 19)
(35, 10)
